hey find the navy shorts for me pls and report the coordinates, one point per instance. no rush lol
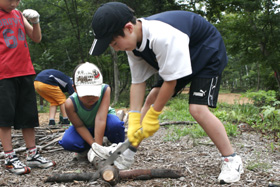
(18, 106)
(203, 91)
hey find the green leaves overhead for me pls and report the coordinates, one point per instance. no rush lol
(250, 29)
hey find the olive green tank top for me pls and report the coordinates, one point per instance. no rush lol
(88, 115)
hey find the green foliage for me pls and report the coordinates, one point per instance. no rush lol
(249, 28)
(177, 109)
(257, 164)
(176, 132)
(231, 129)
(265, 119)
(261, 97)
(234, 113)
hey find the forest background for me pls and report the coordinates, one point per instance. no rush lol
(250, 29)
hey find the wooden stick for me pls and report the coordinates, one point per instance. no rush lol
(145, 174)
(178, 123)
(53, 141)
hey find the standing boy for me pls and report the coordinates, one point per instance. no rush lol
(50, 84)
(182, 47)
(18, 101)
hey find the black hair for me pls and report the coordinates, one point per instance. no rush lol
(132, 20)
(74, 71)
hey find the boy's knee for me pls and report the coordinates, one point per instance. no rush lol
(114, 122)
(197, 110)
(114, 129)
(72, 141)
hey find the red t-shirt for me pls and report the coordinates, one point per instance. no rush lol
(15, 58)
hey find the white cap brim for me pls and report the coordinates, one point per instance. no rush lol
(90, 90)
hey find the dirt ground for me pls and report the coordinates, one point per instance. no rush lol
(197, 159)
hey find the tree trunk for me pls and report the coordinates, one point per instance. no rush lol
(277, 77)
(116, 76)
(258, 78)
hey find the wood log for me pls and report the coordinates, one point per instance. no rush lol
(69, 177)
(138, 174)
(110, 174)
(145, 174)
(177, 123)
(53, 141)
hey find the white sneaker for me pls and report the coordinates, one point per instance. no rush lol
(231, 169)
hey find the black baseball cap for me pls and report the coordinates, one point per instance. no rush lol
(107, 20)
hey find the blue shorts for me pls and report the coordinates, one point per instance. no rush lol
(114, 131)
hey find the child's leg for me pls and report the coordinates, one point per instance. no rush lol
(6, 138)
(213, 127)
(204, 93)
(63, 111)
(52, 112)
(72, 141)
(29, 137)
(114, 129)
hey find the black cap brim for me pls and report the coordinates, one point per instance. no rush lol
(100, 45)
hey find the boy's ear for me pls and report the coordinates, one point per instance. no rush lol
(74, 87)
(129, 26)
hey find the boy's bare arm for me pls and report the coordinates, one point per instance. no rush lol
(165, 93)
(33, 31)
(137, 94)
(101, 117)
(77, 122)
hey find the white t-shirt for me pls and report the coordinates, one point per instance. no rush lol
(177, 44)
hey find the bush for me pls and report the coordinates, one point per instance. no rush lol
(261, 97)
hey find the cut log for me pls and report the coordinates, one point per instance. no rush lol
(106, 174)
(110, 174)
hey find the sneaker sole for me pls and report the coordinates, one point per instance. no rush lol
(228, 182)
(40, 165)
(25, 170)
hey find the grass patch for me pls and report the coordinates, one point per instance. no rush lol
(178, 110)
(257, 164)
(176, 132)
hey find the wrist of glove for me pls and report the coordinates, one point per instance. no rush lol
(150, 123)
(32, 15)
(133, 126)
(91, 155)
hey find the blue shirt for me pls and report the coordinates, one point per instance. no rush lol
(56, 78)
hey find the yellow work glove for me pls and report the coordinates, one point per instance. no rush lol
(133, 126)
(150, 124)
